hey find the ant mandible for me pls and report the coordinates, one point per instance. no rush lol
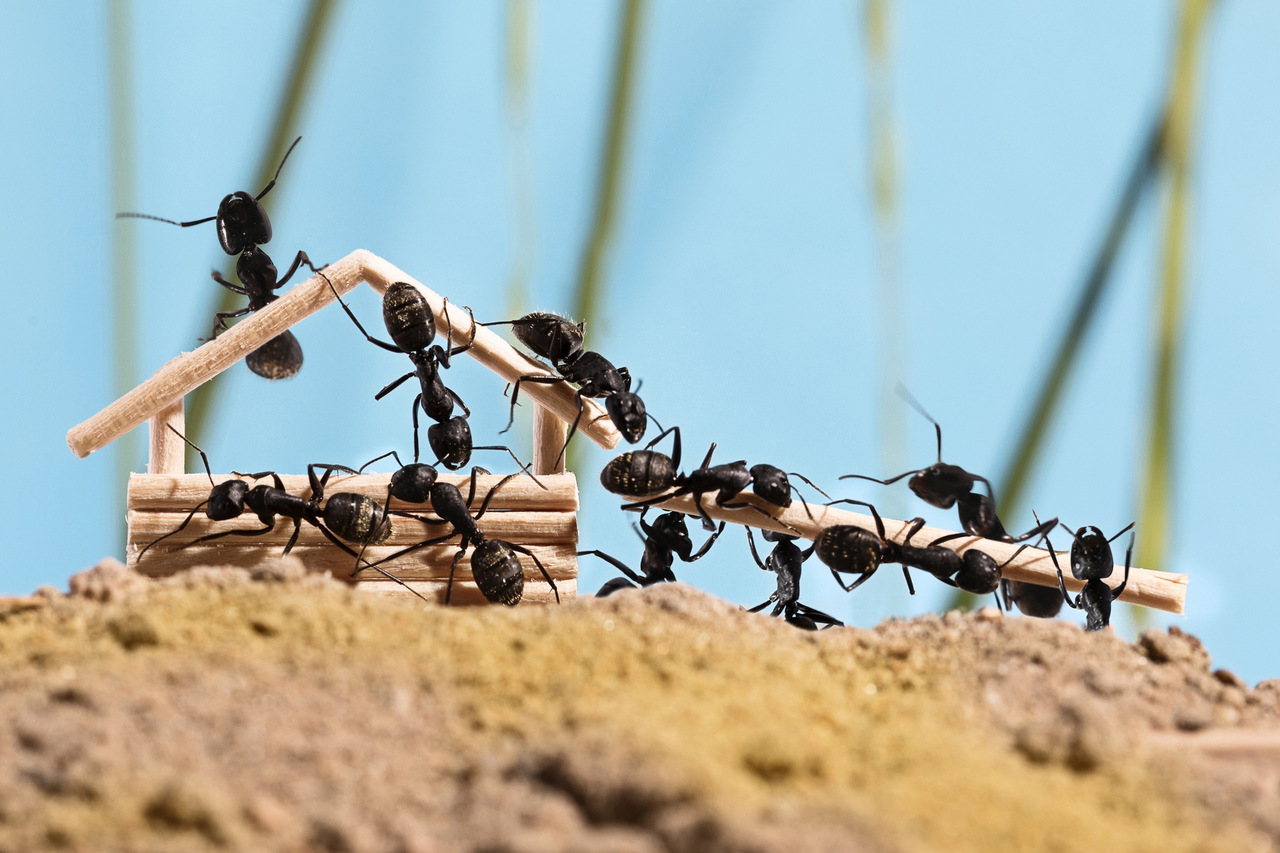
(243, 226)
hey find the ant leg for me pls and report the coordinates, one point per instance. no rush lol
(394, 385)
(190, 516)
(817, 615)
(453, 568)
(874, 514)
(471, 493)
(336, 541)
(414, 412)
(368, 337)
(577, 398)
(706, 545)
(523, 550)
(293, 540)
(220, 321)
(752, 542)
(272, 182)
(515, 393)
(1128, 556)
(458, 400)
(804, 502)
(523, 467)
(461, 349)
(267, 529)
(379, 459)
(616, 563)
(1038, 530)
(298, 259)
(485, 505)
(906, 573)
(745, 505)
(217, 276)
(866, 576)
(914, 527)
(762, 605)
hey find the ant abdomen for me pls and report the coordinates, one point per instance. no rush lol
(638, 474)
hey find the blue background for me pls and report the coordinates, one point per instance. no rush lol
(741, 286)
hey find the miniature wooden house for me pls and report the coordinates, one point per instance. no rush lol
(522, 512)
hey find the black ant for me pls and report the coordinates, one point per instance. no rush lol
(771, 485)
(664, 540)
(243, 226)
(943, 485)
(595, 377)
(494, 564)
(1092, 562)
(642, 473)
(550, 336)
(785, 561)
(850, 549)
(351, 516)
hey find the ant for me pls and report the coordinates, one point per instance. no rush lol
(494, 564)
(1092, 562)
(785, 561)
(243, 226)
(643, 473)
(850, 549)
(550, 336)
(728, 481)
(351, 516)
(664, 540)
(596, 377)
(943, 485)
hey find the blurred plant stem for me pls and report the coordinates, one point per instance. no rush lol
(297, 88)
(588, 291)
(884, 173)
(519, 154)
(124, 247)
(1156, 490)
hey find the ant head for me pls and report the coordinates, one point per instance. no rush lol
(226, 500)
(980, 574)
(941, 484)
(451, 442)
(671, 531)
(242, 222)
(408, 318)
(1091, 555)
(626, 410)
(771, 485)
(413, 482)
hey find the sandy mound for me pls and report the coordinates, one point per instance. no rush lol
(280, 711)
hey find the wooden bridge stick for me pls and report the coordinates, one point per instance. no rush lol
(1161, 590)
(548, 441)
(188, 371)
(168, 452)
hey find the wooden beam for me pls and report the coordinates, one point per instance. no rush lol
(190, 370)
(168, 453)
(1161, 590)
(548, 441)
(466, 593)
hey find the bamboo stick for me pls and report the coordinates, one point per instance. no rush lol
(560, 560)
(1162, 590)
(514, 526)
(182, 492)
(168, 453)
(548, 440)
(190, 370)
(466, 593)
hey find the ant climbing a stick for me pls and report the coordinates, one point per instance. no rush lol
(664, 540)
(785, 561)
(1092, 562)
(243, 226)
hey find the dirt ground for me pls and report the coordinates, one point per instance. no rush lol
(277, 711)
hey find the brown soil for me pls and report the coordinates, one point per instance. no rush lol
(284, 712)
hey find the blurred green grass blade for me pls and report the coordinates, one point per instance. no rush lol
(293, 98)
(884, 173)
(124, 247)
(1027, 451)
(1156, 489)
(589, 286)
(519, 155)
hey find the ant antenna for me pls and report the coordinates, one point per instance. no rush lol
(915, 404)
(1122, 530)
(205, 459)
(268, 187)
(162, 219)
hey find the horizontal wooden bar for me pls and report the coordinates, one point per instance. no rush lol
(466, 593)
(512, 525)
(188, 371)
(183, 491)
(560, 560)
(1160, 590)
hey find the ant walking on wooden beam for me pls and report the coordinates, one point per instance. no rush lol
(243, 226)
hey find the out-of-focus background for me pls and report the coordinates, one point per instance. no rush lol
(771, 213)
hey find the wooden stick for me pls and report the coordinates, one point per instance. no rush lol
(548, 440)
(522, 528)
(168, 452)
(465, 592)
(190, 370)
(1161, 590)
(184, 491)
(560, 560)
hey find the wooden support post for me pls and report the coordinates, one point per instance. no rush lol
(168, 453)
(548, 440)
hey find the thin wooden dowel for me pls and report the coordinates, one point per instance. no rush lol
(182, 492)
(190, 370)
(560, 560)
(168, 452)
(548, 441)
(512, 525)
(466, 593)
(1161, 590)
